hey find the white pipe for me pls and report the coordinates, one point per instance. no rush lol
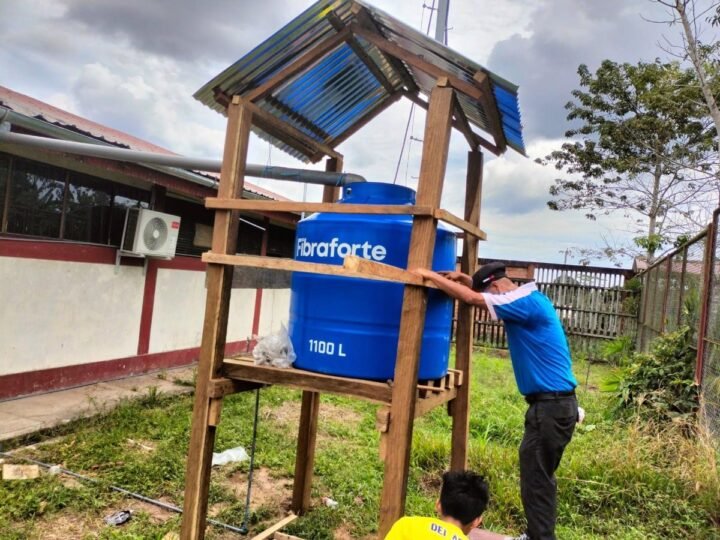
(182, 162)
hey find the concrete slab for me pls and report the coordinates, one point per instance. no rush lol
(30, 414)
(12, 426)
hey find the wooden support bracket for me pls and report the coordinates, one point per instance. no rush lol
(270, 532)
(469, 228)
(222, 387)
(361, 53)
(491, 110)
(277, 128)
(365, 20)
(457, 124)
(357, 268)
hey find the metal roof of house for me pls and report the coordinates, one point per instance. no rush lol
(332, 97)
(33, 108)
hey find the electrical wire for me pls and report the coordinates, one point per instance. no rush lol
(412, 107)
(161, 504)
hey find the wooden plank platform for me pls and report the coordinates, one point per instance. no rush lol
(243, 368)
(430, 394)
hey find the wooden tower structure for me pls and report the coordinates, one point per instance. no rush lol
(354, 61)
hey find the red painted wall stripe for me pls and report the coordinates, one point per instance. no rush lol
(148, 303)
(32, 382)
(57, 250)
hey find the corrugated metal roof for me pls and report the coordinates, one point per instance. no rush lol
(33, 108)
(327, 99)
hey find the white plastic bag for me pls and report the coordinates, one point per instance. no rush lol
(275, 350)
(231, 455)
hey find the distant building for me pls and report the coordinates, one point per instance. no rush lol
(71, 316)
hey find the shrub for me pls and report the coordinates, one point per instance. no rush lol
(661, 384)
(619, 351)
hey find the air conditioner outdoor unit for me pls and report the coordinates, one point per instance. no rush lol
(150, 234)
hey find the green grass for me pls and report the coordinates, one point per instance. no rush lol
(618, 479)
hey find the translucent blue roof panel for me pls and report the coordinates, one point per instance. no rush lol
(330, 98)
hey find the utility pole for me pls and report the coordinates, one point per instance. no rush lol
(441, 24)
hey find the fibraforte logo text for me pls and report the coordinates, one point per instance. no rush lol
(335, 248)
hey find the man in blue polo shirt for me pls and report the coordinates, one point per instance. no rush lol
(543, 372)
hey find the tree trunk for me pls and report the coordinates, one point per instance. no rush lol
(654, 210)
(697, 61)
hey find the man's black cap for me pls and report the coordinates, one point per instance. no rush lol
(487, 274)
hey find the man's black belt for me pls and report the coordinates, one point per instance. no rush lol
(547, 396)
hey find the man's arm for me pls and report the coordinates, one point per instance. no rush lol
(452, 288)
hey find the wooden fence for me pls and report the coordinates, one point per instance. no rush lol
(592, 303)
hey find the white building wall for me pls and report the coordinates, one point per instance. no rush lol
(275, 310)
(57, 313)
(179, 311)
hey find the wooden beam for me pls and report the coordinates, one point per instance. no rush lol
(222, 387)
(416, 61)
(305, 455)
(366, 269)
(491, 110)
(246, 370)
(415, 98)
(360, 266)
(365, 20)
(361, 53)
(313, 55)
(270, 532)
(325, 207)
(422, 407)
(469, 228)
(465, 325)
(282, 130)
(219, 279)
(464, 125)
(422, 241)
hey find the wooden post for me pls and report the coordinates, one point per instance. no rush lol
(422, 241)
(464, 336)
(310, 408)
(219, 280)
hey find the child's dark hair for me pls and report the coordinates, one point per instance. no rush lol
(464, 495)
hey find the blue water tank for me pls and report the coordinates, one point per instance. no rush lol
(349, 326)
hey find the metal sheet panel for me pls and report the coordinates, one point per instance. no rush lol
(327, 99)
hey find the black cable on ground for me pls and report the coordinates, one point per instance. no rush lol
(166, 506)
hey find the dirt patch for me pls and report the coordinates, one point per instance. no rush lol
(64, 526)
(266, 490)
(157, 514)
(288, 416)
(343, 533)
(431, 483)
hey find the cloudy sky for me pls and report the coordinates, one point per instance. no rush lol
(135, 64)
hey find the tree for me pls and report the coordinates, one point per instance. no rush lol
(642, 149)
(700, 54)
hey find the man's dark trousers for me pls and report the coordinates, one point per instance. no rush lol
(549, 426)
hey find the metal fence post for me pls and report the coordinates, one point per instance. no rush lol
(707, 290)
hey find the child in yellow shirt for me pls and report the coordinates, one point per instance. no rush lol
(463, 498)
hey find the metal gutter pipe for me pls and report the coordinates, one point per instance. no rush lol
(166, 160)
